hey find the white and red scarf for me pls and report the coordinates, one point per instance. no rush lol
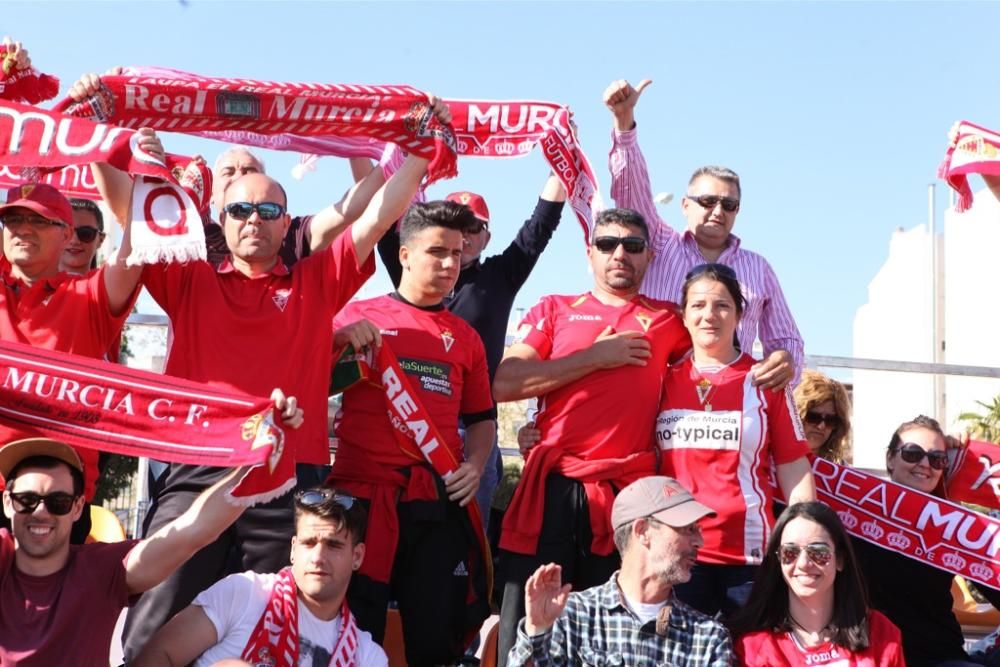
(97, 405)
(168, 195)
(972, 149)
(176, 101)
(274, 642)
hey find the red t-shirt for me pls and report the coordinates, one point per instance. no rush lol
(444, 360)
(255, 334)
(723, 455)
(609, 413)
(765, 648)
(65, 313)
(64, 618)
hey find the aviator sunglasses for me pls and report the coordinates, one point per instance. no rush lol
(729, 204)
(242, 210)
(315, 497)
(820, 554)
(58, 503)
(911, 452)
(633, 244)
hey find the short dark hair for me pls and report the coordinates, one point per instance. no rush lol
(439, 213)
(344, 511)
(720, 273)
(622, 216)
(46, 463)
(767, 606)
(920, 421)
(91, 207)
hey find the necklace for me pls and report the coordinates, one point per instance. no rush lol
(808, 637)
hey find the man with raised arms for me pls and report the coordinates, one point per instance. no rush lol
(596, 363)
(422, 548)
(711, 205)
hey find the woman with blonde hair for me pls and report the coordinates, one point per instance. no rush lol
(825, 411)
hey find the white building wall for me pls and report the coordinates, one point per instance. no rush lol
(897, 324)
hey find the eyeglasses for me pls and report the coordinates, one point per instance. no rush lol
(316, 497)
(242, 210)
(720, 270)
(729, 204)
(911, 452)
(817, 418)
(58, 503)
(820, 554)
(633, 244)
(36, 222)
(86, 234)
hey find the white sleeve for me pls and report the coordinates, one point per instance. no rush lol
(225, 602)
(370, 654)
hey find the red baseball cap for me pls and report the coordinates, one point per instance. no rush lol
(476, 203)
(41, 198)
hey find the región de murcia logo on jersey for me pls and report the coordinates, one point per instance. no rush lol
(281, 298)
(448, 339)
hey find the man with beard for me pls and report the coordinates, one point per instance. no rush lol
(596, 362)
(633, 616)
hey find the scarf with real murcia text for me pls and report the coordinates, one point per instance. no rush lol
(274, 642)
(972, 149)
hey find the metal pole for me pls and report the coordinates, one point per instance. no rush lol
(937, 304)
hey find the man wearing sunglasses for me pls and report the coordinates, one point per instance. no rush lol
(486, 288)
(596, 362)
(633, 617)
(252, 323)
(42, 306)
(317, 627)
(68, 598)
(710, 206)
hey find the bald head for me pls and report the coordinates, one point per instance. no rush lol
(253, 238)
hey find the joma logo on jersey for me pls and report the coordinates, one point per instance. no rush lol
(589, 318)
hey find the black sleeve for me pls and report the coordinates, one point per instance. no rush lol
(388, 252)
(522, 254)
(991, 594)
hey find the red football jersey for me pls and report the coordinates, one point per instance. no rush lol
(445, 362)
(255, 334)
(609, 413)
(718, 441)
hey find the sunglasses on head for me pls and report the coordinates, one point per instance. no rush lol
(316, 497)
(818, 553)
(729, 204)
(719, 269)
(633, 244)
(86, 234)
(911, 452)
(58, 503)
(242, 210)
(817, 418)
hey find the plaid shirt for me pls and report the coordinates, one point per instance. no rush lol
(598, 628)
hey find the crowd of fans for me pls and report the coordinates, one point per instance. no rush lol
(644, 529)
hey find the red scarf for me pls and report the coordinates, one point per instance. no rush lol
(975, 475)
(971, 150)
(275, 640)
(926, 528)
(182, 102)
(97, 405)
(24, 85)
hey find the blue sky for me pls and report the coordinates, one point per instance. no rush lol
(834, 114)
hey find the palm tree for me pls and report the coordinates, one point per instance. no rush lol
(984, 425)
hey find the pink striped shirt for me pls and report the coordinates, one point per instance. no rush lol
(766, 315)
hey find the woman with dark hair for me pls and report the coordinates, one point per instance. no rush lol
(808, 604)
(825, 411)
(719, 434)
(914, 595)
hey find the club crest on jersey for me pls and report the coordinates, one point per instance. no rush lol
(281, 298)
(644, 320)
(448, 339)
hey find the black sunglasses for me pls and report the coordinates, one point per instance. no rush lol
(819, 553)
(475, 228)
(242, 210)
(713, 267)
(729, 204)
(58, 503)
(633, 244)
(911, 452)
(316, 497)
(86, 234)
(817, 418)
